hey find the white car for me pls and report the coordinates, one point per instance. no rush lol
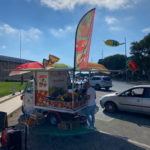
(101, 82)
(135, 99)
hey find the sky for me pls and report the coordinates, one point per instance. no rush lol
(33, 29)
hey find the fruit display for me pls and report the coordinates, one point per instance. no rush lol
(59, 98)
(55, 92)
(40, 97)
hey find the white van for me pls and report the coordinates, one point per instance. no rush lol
(101, 82)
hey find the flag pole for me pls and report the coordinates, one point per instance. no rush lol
(74, 67)
(125, 58)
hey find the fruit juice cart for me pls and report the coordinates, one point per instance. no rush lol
(51, 92)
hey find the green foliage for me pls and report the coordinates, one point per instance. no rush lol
(140, 52)
(115, 62)
(60, 65)
(6, 87)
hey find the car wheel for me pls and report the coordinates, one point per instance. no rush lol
(110, 107)
(107, 88)
(52, 119)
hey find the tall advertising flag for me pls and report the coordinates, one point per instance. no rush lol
(83, 40)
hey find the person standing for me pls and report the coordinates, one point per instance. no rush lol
(22, 79)
(91, 105)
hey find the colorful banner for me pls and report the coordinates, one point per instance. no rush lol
(132, 65)
(83, 40)
(112, 43)
(51, 60)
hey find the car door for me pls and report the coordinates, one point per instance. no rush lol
(131, 100)
(146, 100)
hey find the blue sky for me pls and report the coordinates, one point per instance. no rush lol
(48, 26)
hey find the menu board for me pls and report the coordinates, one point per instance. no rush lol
(42, 81)
(58, 79)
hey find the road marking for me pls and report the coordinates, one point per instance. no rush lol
(128, 140)
(138, 143)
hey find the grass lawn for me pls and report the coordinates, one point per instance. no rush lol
(6, 87)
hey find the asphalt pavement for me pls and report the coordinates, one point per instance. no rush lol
(133, 127)
(120, 131)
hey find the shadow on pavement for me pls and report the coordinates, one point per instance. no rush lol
(107, 91)
(91, 141)
(139, 119)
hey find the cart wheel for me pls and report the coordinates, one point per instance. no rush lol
(52, 119)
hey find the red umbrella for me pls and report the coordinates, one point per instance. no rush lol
(21, 69)
(30, 65)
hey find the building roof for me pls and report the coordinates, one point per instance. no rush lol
(13, 59)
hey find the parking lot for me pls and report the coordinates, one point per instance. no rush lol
(118, 131)
(131, 126)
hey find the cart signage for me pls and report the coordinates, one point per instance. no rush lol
(58, 79)
(42, 81)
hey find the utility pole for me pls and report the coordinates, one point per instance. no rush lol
(125, 58)
(20, 44)
(102, 54)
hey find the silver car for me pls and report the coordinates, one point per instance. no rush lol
(136, 99)
(101, 82)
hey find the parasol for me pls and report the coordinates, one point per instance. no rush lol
(25, 68)
(96, 67)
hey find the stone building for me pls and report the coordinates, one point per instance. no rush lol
(7, 64)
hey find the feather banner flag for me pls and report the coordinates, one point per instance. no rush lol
(112, 43)
(83, 40)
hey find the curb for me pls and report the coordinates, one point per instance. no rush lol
(1, 101)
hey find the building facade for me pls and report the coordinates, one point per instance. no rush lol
(7, 64)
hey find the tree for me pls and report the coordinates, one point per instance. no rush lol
(60, 65)
(140, 52)
(115, 62)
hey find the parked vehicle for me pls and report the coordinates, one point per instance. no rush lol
(135, 99)
(101, 82)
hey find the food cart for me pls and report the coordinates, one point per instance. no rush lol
(52, 93)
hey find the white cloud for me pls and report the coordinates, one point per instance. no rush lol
(61, 32)
(145, 30)
(7, 29)
(3, 47)
(30, 34)
(114, 28)
(111, 20)
(70, 4)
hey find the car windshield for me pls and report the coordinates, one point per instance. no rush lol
(106, 78)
